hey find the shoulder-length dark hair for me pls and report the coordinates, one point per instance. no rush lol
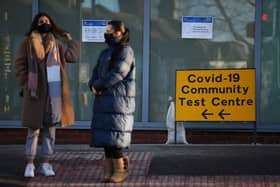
(118, 25)
(56, 30)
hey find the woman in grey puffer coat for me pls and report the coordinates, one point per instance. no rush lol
(113, 84)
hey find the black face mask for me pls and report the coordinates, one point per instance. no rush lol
(111, 40)
(44, 28)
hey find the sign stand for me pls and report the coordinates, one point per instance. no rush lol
(255, 134)
(175, 134)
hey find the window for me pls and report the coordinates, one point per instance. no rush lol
(12, 30)
(70, 18)
(230, 46)
(270, 62)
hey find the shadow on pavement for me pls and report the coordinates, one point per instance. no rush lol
(12, 168)
(217, 160)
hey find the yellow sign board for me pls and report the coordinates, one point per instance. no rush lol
(215, 95)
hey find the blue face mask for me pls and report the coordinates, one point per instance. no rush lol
(110, 39)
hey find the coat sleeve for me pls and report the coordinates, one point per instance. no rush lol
(21, 71)
(94, 75)
(119, 72)
(72, 52)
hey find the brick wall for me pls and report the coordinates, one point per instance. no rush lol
(81, 136)
(78, 136)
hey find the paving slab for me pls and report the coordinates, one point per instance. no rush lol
(151, 165)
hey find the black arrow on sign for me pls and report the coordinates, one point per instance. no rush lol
(204, 114)
(221, 114)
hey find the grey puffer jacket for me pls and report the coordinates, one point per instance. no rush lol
(113, 110)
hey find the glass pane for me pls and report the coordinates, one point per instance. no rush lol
(15, 20)
(270, 62)
(231, 46)
(70, 18)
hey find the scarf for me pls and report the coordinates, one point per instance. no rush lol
(39, 49)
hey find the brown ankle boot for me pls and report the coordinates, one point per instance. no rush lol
(120, 167)
(108, 170)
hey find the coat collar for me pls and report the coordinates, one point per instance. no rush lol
(42, 46)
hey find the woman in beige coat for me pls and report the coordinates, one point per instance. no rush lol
(40, 69)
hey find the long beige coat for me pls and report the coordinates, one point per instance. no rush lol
(34, 109)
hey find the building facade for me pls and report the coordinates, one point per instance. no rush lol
(245, 35)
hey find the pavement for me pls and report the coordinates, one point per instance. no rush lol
(151, 165)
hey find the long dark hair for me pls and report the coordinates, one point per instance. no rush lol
(56, 30)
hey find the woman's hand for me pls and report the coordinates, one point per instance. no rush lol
(95, 92)
(67, 36)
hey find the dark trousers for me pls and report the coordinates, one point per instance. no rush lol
(113, 152)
